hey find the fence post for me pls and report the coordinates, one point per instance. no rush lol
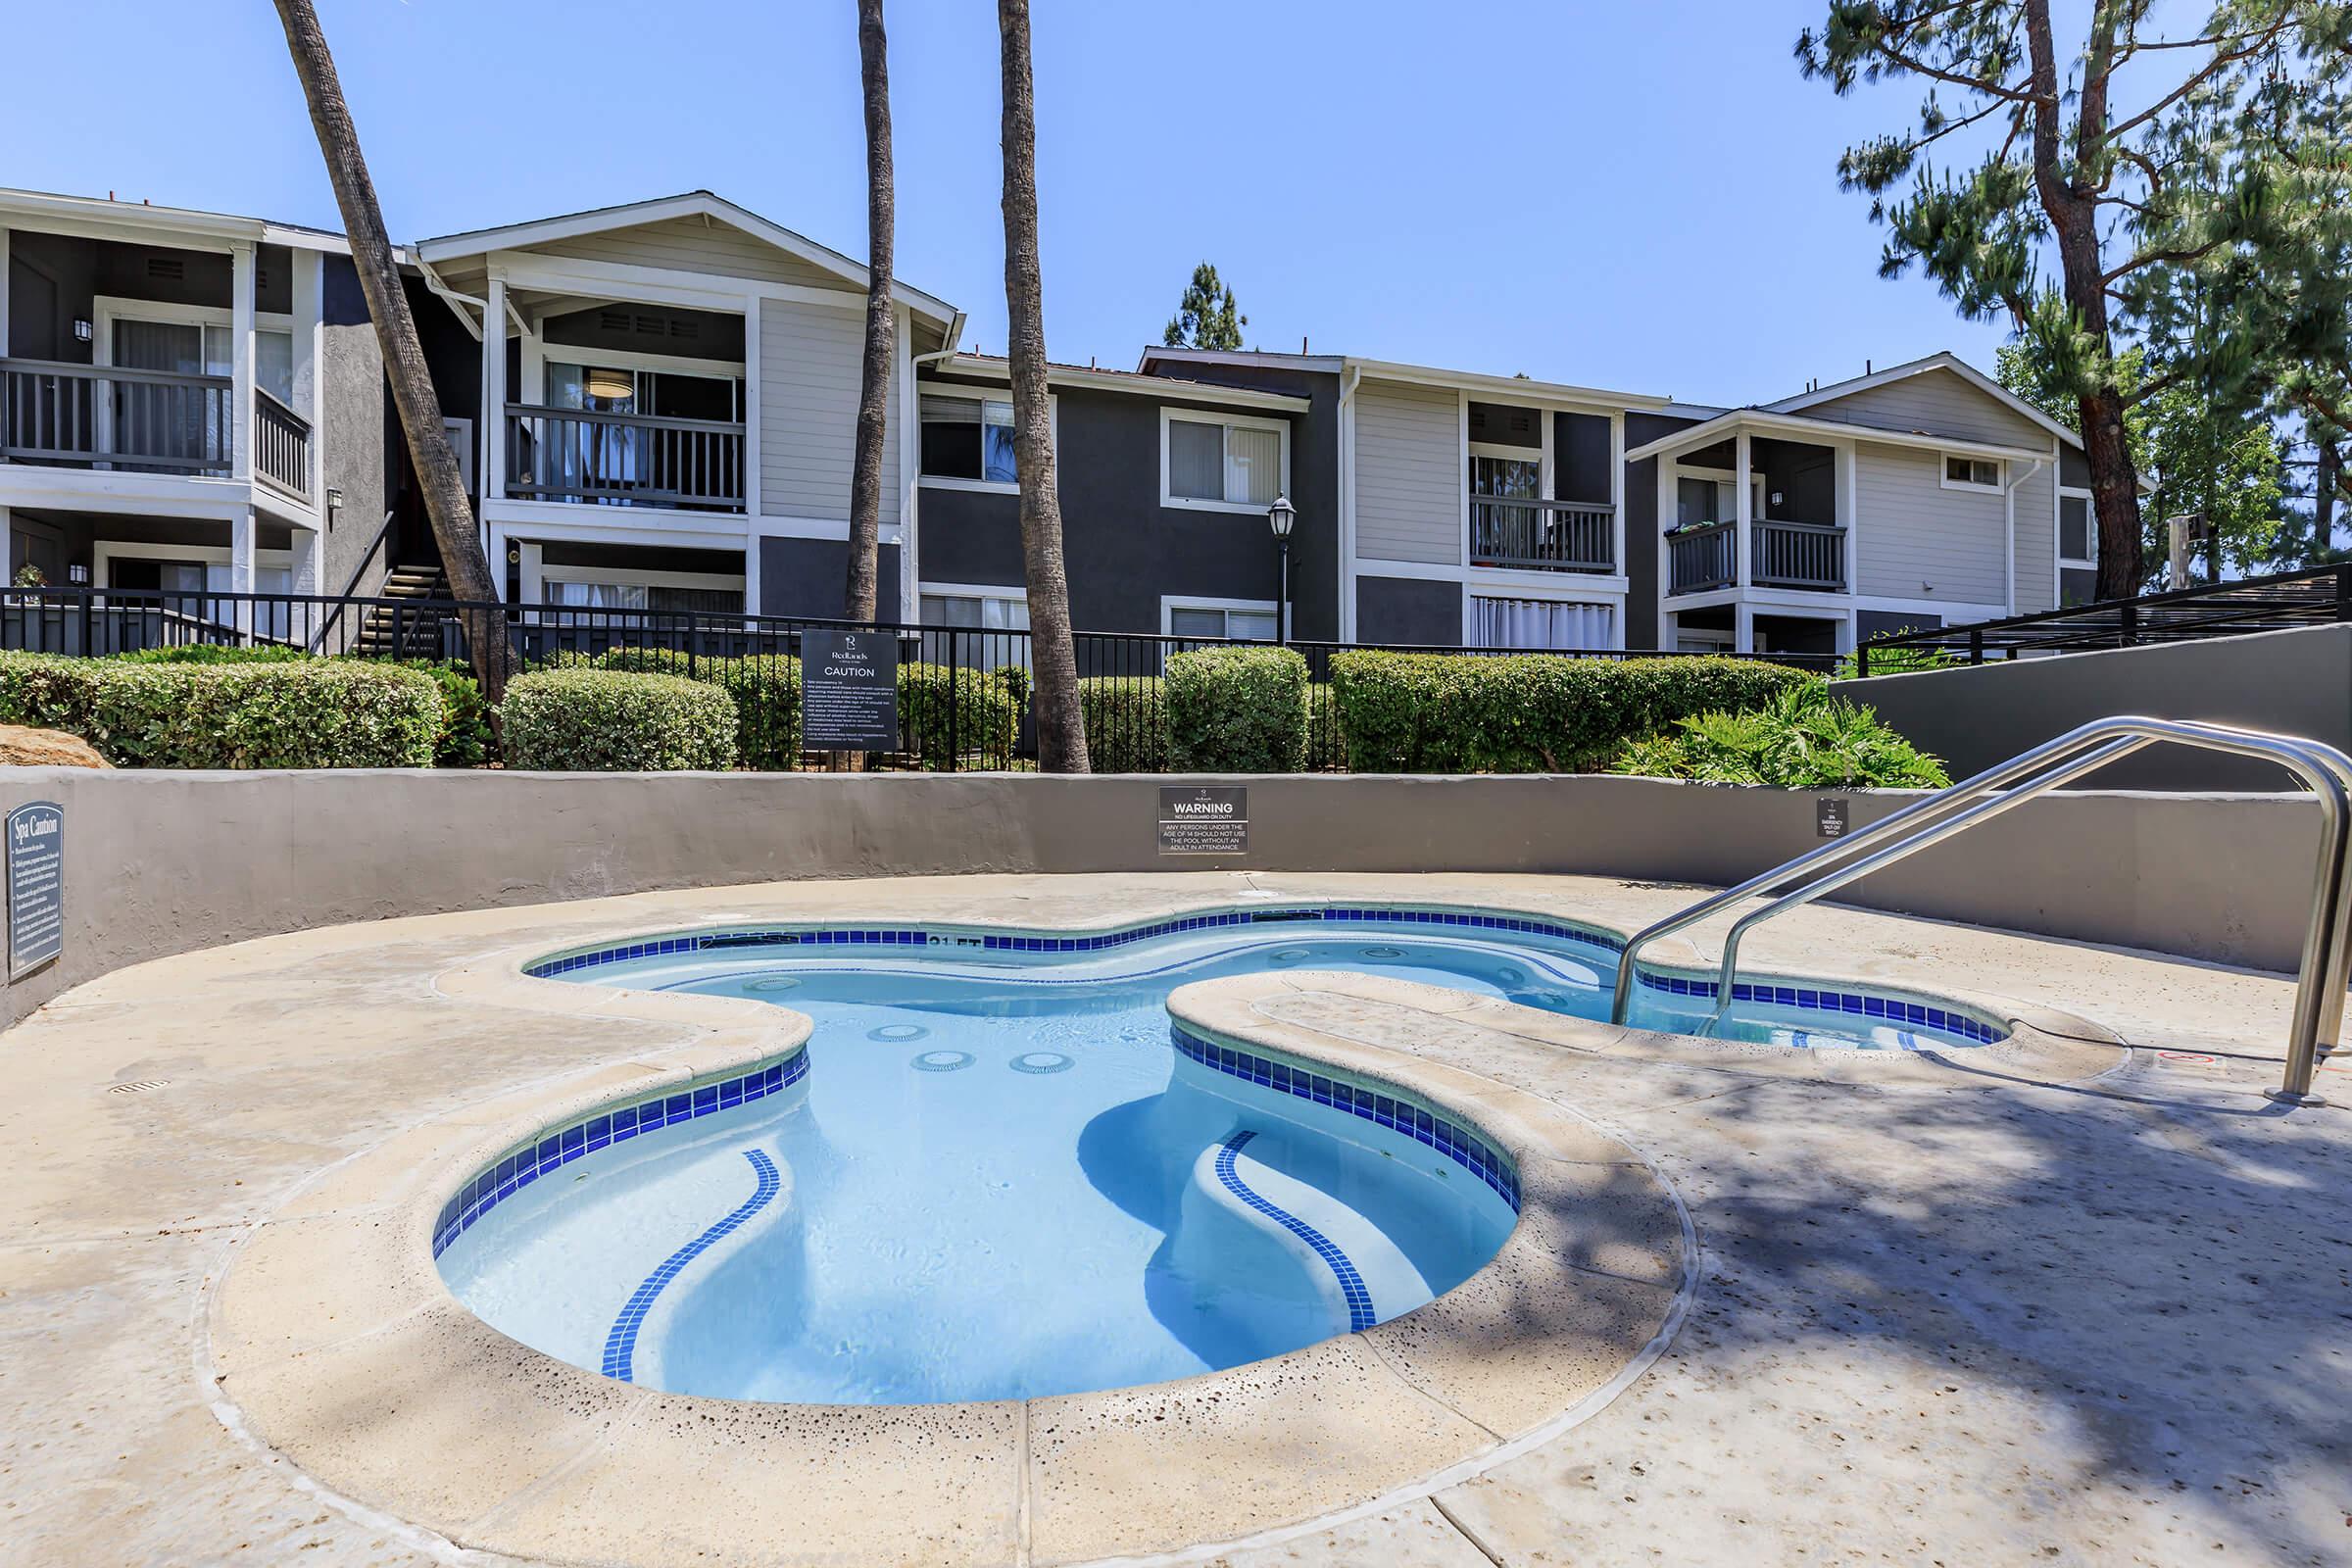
(1862, 660)
(2128, 623)
(2344, 593)
(1976, 648)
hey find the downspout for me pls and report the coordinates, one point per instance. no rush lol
(2009, 518)
(910, 544)
(954, 333)
(1352, 379)
(450, 296)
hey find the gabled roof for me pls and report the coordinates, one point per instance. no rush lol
(1502, 387)
(106, 210)
(661, 208)
(995, 367)
(1944, 361)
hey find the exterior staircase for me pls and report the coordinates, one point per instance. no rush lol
(386, 631)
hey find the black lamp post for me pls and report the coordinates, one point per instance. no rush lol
(1279, 517)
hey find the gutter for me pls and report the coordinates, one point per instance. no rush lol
(955, 337)
(450, 296)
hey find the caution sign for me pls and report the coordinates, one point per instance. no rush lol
(1204, 819)
(1830, 816)
(37, 886)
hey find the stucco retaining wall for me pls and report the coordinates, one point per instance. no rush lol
(160, 863)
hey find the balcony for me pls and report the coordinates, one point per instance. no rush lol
(97, 417)
(1787, 555)
(1532, 535)
(625, 459)
(281, 446)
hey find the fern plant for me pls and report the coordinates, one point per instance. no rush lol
(1799, 738)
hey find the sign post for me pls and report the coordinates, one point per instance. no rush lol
(37, 886)
(849, 691)
(1204, 819)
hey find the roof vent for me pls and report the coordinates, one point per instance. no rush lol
(685, 330)
(613, 320)
(166, 269)
(650, 325)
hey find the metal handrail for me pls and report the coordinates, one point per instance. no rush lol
(2326, 961)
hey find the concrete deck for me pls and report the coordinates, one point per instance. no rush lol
(1967, 1317)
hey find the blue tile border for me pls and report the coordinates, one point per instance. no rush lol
(620, 1346)
(1843, 1004)
(1382, 1105)
(1342, 1268)
(604, 1127)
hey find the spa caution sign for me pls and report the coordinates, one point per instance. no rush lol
(37, 886)
(1204, 819)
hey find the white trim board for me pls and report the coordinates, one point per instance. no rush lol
(1242, 422)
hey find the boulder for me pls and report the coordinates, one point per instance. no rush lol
(20, 746)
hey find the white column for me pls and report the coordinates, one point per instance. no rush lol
(3, 293)
(752, 545)
(7, 526)
(1665, 553)
(241, 530)
(533, 586)
(1743, 567)
(494, 392)
(910, 453)
(1617, 500)
(240, 332)
(751, 415)
(1743, 628)
(1846, 517)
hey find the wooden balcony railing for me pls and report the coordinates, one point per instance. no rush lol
(1542, 535)
(623, 459)
(1699, 558)
(104, 416)
(1798, 555)
(281, 444)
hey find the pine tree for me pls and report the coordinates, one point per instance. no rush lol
(1205, 317)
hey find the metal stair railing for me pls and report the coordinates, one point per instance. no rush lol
(2326, 961)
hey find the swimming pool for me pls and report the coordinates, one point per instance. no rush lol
(994, 1171)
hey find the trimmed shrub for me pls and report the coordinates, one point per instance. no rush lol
(1235, 709)
(1803, 738)
(765, 690)
(211, 654)
(243, 712)
(1525, 713)
(947, 712)
(612, 721)
(465, 739)
(1124, 729)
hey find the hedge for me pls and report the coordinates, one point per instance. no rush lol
(252, 713)
(1235, 709)
(1124, 729)
(765, 690)
(1527, 713)
(947, 712)
(465, 739)
(612, 721)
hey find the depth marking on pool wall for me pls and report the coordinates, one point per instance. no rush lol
(1204, 819)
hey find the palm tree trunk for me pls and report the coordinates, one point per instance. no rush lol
(413, 393)
(1060, 729)
(874, 392)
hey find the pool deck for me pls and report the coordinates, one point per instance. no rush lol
(2086, 1307)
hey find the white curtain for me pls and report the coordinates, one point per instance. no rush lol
(1252, 464)
(1541, 623)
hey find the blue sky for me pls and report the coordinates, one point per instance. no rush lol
(1639, 196)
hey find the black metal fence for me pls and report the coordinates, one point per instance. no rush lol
(2316, 596)
(962, 691)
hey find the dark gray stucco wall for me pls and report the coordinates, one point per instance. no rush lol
(1125, 551)
(352, 405)
(1580, 457)
(1410, 611)
(1642, 527)
(809, 578)
(223, 856)
(2295, 682)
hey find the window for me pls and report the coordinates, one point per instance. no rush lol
(1225, 465)
(1229, 623)
(970, 440)
(656, 597)
(1971, 473)
(978, 614)
(1553, 624)
(2078, 540)
(975, 611)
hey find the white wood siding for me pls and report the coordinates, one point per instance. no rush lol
(1410, 473)
(810, 357)
(1933, 402)
(1922, 541)
(2036, 544)
(696, 245)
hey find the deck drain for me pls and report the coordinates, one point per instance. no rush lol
(138, 1086)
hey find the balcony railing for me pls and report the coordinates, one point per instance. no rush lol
(623, 459)
(1704, 557)
(1798, 555)
(1542, 535)
(104, 416)
(281, 444)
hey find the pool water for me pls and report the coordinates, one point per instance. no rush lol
(999, 1179)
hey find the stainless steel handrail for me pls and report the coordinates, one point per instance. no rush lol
(2326, 959)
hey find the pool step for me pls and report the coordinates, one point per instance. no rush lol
(1362, 1277)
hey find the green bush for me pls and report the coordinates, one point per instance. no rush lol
(465, 739)
(1235, 709)
(1326, 739)
(950, 712)
(1525, 713)
(1124, 731)
(612, 721)
(1803, 738)
(241, 712)
(765, 690)
(213, 653)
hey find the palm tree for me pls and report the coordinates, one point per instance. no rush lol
(413, 393)
(873, 391)
(1060, 727)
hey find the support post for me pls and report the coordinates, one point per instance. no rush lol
(241, 531)
(240, 333)
(494, 392)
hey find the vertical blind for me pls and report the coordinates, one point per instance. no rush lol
(1240, 464)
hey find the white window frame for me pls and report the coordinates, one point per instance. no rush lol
(1943, 472)
(1247, 509)
(2090, 531)
(965, 590)
(1169, 604)
(534, 369)
(978, 394)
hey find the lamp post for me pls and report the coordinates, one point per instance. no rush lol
(1279, 517)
